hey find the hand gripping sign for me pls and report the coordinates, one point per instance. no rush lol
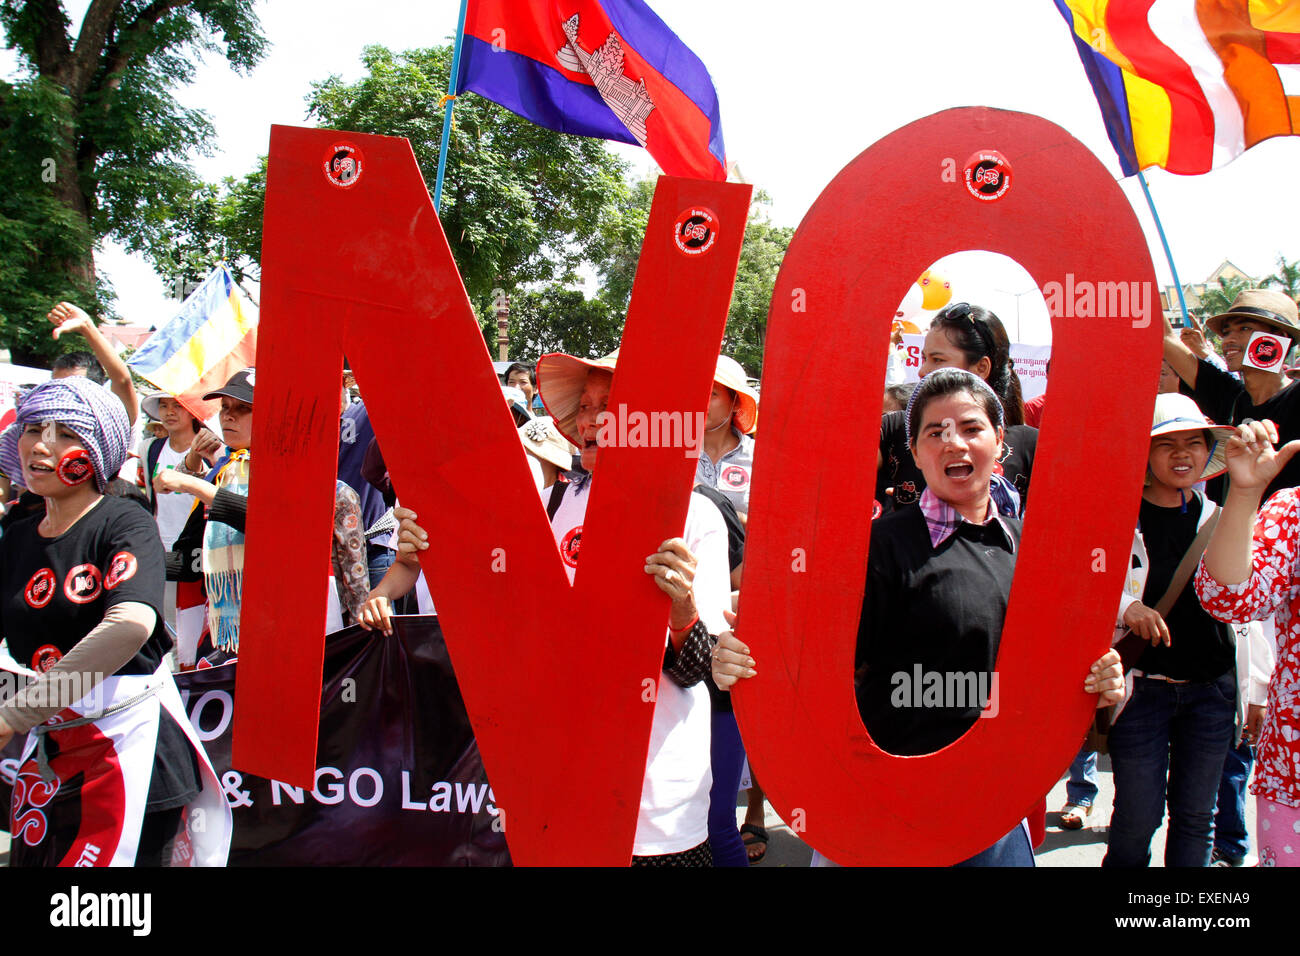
(850, 263)
(355, 262)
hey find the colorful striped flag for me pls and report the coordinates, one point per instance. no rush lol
(1190, 85)
(604, 68)
(212, 337)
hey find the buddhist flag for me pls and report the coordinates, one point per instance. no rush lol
(1190, 85)
(212, 337)
(604, 68)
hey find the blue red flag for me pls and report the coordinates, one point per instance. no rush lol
(604, 68)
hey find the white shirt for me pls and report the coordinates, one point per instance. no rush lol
(173, 507)
(674, 812)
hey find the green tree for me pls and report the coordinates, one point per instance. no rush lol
(218, 222)
(521, 205)
(760, 260)
(559, 319)
(94, 142)
(1287, 278)
(1214, 301)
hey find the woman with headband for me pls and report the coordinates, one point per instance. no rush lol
(111, 763)
(968, 337)
(938, 584)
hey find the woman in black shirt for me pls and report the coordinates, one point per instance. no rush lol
(1178, 722)
(111, 763)
(938, 583)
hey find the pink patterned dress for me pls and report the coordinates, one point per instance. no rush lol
(1273, 589)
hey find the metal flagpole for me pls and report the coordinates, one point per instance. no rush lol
(1182, 303)
(450, 100)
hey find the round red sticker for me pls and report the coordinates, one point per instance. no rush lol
(570, 545)
(695, 231)
(344, 165)
(40, 588)
(121, 568)
(1265, 352)
(81, 586)
(74, 468)
(988, 175)
(45, 657)
(735, 477)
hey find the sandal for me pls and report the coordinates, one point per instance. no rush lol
(1073, 815)
(759, 835)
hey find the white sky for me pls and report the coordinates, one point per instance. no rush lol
(803, 88)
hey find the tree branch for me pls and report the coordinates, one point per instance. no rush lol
(95, 29)
(118, 55)
(51, 40)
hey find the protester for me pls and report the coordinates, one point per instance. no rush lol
(83, 595)
(1249, 573)
(1177, 720)
(672, 827)
(215, 530)
(1258, 394)
(520, 376)
(726, 460)
(896, 397)
(972, 338)
(186, 442)
(66, 318)
(356, 435)
(943, 572)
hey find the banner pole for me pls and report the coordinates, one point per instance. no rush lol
(1182, 303)
(450, 100)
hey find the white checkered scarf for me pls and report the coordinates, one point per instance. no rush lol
(91, 412)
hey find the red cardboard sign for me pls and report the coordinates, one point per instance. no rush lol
(553, 676)
(850, 263)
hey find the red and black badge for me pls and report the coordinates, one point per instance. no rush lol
(1265, 351)
(735, 477)
(81, 586)
(45, 657)
(121, 568)
(40, 588)
(344, 165)
(988, 175)
(570, 545)
(75, 468)
(695, 231)
(876, 509)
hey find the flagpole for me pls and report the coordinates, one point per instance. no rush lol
(1182, 303)
(450, 100)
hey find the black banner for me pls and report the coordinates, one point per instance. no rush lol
(398, 782)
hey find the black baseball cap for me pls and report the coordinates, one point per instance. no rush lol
(239, 387)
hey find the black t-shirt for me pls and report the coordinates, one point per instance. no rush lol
(1202, 648)
(930, 611)
(1226, 402)
(899, 471)
(55, 591)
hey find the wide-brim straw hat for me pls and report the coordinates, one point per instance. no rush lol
(542, 439)
(1175, 412)
(1274, 309)
(730, 373)
(560, 381)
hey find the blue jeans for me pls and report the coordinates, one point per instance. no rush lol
(728, 758)
(1230, 834)
(378, 561)
(1081, 788)
(1170, 740)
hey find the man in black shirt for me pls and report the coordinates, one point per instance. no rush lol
(1259, 394)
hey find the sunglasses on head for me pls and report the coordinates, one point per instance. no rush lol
(964, 310)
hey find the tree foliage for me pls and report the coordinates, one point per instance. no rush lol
(95, 143)
(1286, 279)
(521, 205)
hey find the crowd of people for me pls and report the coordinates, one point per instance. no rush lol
(122, 552)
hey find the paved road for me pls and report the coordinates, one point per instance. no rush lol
(1083, 847)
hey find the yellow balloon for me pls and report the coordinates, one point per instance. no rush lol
(936, 291)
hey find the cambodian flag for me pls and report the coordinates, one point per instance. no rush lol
(604, 68)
